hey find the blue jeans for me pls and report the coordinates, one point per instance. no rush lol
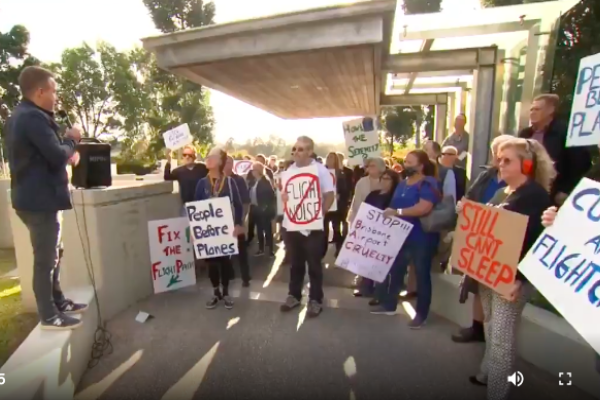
(420, 254)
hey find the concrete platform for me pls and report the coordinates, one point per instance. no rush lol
(256, 352)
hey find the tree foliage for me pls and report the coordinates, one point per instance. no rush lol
(422, 6)
(400, 124)
(274, 145)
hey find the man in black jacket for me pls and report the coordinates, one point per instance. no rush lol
(38, 159)
(187, 176)
(571, 163)
(345, 200)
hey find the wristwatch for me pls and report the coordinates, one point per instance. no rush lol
(399, 212)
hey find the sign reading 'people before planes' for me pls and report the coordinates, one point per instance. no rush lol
(487, 244)
(362, 140)
(303, 210)
(211, 224)
(564, 263)
(178, 137)
(372, 244)
(171, 254)
(584, 126)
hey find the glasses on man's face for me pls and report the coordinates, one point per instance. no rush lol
(188, 155)
(449, 154)
(297, 150)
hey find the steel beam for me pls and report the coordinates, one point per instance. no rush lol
(482, 111)
(442, 60)
(441, 117)
(462, 85)
(475, 30)
(413, 99)
(425, 48)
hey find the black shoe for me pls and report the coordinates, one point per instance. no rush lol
(357, 293)
(259, 253)
(68, 307)
(228, 301)
(60, 323)
(290, 303)
(271, 254)
(313, 309)
(246, 284)
(468, 335)
(212, 303)
(473, 379)
(373, 302)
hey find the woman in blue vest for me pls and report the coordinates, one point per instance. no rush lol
(413, 198)
(217, 184)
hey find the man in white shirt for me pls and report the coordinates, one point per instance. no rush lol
(305, 246)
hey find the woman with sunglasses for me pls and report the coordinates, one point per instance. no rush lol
(528, 171)
(379, 199)
(187, 176)
(217, 184)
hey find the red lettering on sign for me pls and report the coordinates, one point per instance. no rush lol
(155, 270)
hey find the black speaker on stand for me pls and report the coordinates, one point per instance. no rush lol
(93, 170)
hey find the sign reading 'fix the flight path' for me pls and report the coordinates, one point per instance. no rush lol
(303, 210)
(171, 254)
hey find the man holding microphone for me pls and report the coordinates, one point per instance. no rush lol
(38, 157)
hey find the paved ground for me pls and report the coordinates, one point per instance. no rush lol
(255, 352)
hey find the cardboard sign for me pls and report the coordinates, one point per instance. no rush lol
(277, 186)
(487, 245)
(362, 140)
(372, 244)
(211, 225)
(564, 263)
(334, 204)
(242, 167)
(178, 137)
(171, 257)
(584, 125)
(304, 209)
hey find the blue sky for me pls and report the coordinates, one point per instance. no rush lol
(59, 24)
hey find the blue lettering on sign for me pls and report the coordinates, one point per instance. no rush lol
(570, 267)
(203, 215)
(210, 231)
(591, 213)
(589, 84)
(215, 251)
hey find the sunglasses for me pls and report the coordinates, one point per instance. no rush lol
(188, 155)
(449, 154)
(297, 149)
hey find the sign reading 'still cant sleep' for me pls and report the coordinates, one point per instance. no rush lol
(487, 245)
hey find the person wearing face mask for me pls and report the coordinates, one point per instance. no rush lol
(187, 176)
(413, 198)
(217, 184)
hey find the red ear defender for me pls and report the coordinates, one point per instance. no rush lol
(527, 167)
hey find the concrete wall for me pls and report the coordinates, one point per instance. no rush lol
(6, 238)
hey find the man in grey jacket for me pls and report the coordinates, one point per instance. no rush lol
(38, 158)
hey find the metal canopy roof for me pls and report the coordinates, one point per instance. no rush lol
(348, 60)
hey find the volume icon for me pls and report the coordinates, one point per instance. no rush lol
(516, 379)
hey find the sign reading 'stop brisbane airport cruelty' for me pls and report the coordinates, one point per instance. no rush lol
(584, 126)
(564, 263)
(304, 208)
(178, 137)
(362, 140)
(242, 167)
(171, 254)
(373, 243)
(211, 223)
(487, 245)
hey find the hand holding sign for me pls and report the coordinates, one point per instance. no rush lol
(178, 137)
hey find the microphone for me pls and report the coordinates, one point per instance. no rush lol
(64, 116)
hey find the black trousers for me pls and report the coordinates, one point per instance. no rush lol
(243, 259)
(220, 272)
(343, 221)
(302, 253)
(264, 229)
(333, 218)
(251, 227)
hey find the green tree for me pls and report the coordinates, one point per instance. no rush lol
(400, 123)
(179, 100)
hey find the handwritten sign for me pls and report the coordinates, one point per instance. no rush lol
(304, 208)
(487, 245)
(564, 263)
(362, 140)
(277, 186)
(178, 137)
(584, 125)
(334, 204)
(242, 167)
(211, 224)
(171, 256)
(373, 243)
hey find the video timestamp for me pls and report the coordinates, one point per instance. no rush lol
(2, 379)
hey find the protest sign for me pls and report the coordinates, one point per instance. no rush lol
(211, 224)
(242, 167)
(178, 137)
(304, 208)
(362, 140)
(564, 263)
(277, 185)
(584, 125)
(171, 254)
(372, 244)
(487, 244)
(334, 204)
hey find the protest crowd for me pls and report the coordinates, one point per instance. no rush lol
(310, 202)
